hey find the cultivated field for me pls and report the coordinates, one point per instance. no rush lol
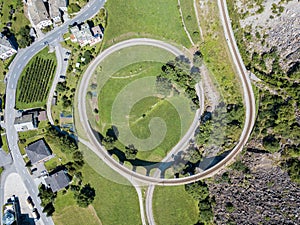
(35, 80)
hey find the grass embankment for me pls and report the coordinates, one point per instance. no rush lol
(216, 54)
(141, 18)
(190, 20)
(36, 80)
(173, 205)
(3, 142)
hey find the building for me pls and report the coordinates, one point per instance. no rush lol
(25, 122)
(58, 180)
(97, 34)
(38, 13)
(38, 151)
(84, 35)
(7, 49)
(58, 8)
(29, 120)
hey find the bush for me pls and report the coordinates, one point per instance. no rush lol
(73, 8)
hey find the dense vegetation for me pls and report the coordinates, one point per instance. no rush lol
(200, 192)
(277, 126)
(179, 73)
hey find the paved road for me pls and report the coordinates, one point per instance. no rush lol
(20, 61)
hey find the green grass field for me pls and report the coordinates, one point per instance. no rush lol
(114, 204)
(4, 143)
(216, 54)
(141, 112)
(173, 205)
(37, 86)
(190, 20)
(141, 18)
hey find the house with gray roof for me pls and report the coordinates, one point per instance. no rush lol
(58, 180)
(38, 151)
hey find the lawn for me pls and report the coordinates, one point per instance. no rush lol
(216, 54)
(20, 21)
(131, 93)
(115, 203)
(141, 18)
(4, 143)
(190, 20)
(173, 205)
(36, 80)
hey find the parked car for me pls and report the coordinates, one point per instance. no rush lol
(35, 214)
(30, 202)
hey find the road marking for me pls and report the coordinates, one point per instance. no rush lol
(19, 66)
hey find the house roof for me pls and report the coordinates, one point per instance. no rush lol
(38, 11)
(38, 151)
(57, 181)
(96, 30)
(42, 115)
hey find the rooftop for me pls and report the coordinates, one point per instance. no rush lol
(57, 181)
(38, 11)
(38, 151)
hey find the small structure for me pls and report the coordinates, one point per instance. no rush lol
(10, 212)
(58, 181)
(84, 35)
(7, 49)
(38, 152)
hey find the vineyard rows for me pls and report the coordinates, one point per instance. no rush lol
(34, 83)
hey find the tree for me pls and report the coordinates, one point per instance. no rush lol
(130, 152)
(85, 196)
(25, 39)
(73, 8)
(49, 209)
(77, 156)
(163, 86)
(88, 56)
(271, 143)
(46, 195)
